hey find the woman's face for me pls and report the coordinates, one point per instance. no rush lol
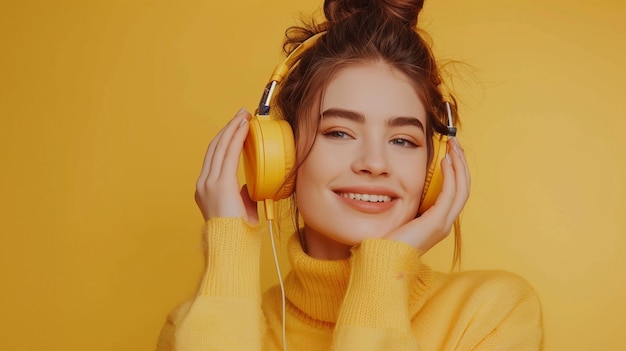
(365, 172)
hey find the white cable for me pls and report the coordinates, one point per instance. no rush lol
(280, 280)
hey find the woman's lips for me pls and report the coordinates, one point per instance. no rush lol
(366, 197)
(366, 202)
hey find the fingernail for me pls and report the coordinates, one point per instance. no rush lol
(241, 110)
(448, 158)
(458, 150)
(457, 146)
(243, 121)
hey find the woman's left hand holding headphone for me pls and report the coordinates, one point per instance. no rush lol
(435, 224)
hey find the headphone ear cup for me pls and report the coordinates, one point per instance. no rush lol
(289, 155)
(434, 176)
(269, 157)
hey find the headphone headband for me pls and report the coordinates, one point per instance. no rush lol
(281, 71)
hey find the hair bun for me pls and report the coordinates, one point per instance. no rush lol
(406, 11)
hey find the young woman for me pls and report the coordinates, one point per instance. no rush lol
(363, 102)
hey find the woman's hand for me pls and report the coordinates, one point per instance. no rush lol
(217, 188)
(436, 223)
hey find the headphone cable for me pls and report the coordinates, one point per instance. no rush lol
(280, 280)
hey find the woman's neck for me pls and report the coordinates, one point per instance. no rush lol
(322, 247)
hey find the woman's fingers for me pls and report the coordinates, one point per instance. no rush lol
(222, 145)
(207, 165)
(208, 158)
(462, 181)
(235, 146)
(448, 189)
(436, 223)
(217, 188)
(457, 147)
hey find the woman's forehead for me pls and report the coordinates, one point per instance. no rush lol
(372, 90)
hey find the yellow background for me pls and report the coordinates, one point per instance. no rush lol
(106, 108)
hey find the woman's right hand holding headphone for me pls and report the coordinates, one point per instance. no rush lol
(217, 189)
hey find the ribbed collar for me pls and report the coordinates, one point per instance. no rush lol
(315, 288)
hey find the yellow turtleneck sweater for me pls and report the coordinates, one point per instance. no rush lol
(382, 298)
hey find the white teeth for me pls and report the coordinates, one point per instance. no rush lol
(367, 197)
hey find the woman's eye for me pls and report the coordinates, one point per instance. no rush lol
(403, 142)
(336, 134)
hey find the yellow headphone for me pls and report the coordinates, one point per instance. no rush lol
(269, 149)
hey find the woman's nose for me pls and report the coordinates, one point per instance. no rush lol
(371, 160)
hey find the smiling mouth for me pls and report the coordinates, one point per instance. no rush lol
(366, 197)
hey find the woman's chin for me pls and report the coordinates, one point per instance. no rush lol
(354, 235)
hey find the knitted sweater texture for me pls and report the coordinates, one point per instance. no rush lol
(381, 298)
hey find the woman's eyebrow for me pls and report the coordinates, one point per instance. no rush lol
(334, 112)
(400, 121)
(405, 121)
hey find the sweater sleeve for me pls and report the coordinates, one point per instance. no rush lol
(375, 312)
(480, 311)
(473, 311)
(505, 315)
(226, 312)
